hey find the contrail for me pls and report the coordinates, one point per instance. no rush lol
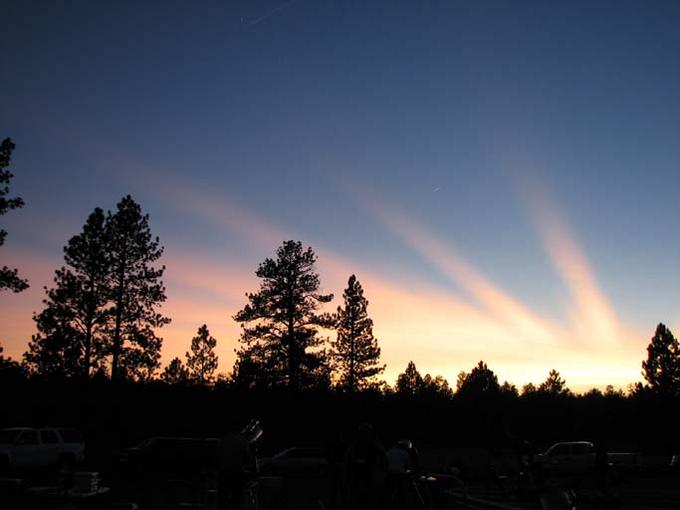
(272, 12)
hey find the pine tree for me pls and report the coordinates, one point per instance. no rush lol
(529, 389)
(410, 381)
(9, 278)
(554, 385)
(202, 360)
(175, 372)
(280, 322)
(136, 291)
(71, 327)
(509, 390)
(86, 255)
(355, 352)
(56, 350)
(435, 387)
(258, 366)
(481, 381)
(661, 370)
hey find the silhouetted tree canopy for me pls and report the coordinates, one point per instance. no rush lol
(72, 328)
(104, 301)
(175, 372)
(529, 389)
(136, 291)
(409, 382)
(611, 392)
(481, 381)
(10, 370)
(9, 278)
(355, 352)
(57, 348)
(509, 389)
(661, 369)
(258, 365)
(202, 360)
(554, 385)
(435, 387)
(280, 323)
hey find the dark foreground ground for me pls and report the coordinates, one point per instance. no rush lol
(654, 486)
(480, 437)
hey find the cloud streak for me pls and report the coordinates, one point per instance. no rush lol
(592, 317)
(446, 258)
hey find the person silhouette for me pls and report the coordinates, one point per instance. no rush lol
(237, 464)
(366, 468)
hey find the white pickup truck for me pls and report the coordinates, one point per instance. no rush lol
(580, 456)
(40, 447)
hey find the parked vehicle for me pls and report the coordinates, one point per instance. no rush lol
(580, 456)
(296, 462)
(40, 447)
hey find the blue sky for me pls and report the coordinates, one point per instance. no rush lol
(359, 129)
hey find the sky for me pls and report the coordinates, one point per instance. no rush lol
(502, 177)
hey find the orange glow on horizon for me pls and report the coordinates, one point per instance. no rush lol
(441, 332)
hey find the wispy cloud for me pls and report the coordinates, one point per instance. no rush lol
(446, 258)
(592, 317)
(592, 320)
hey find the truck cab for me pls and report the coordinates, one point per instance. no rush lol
(570, 457)
(25, 447)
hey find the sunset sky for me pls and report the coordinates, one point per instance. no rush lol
(502, 177)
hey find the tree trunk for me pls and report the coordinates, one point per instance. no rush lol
(351, 353)
(88, 332)
(292, 368)
(88, 347)
(116, 347)
(292, 351)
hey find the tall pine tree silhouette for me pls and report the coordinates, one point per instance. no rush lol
(554, 385)
(71, 327)
(136, 292)
(409, 382)
(9, 279)
(355, 352)
(661, 369)
(280, 322)
(202, 360)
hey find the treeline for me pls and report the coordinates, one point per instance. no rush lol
(102, 319)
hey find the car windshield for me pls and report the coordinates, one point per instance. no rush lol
(8, 436)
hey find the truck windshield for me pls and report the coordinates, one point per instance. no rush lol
(8, 436)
